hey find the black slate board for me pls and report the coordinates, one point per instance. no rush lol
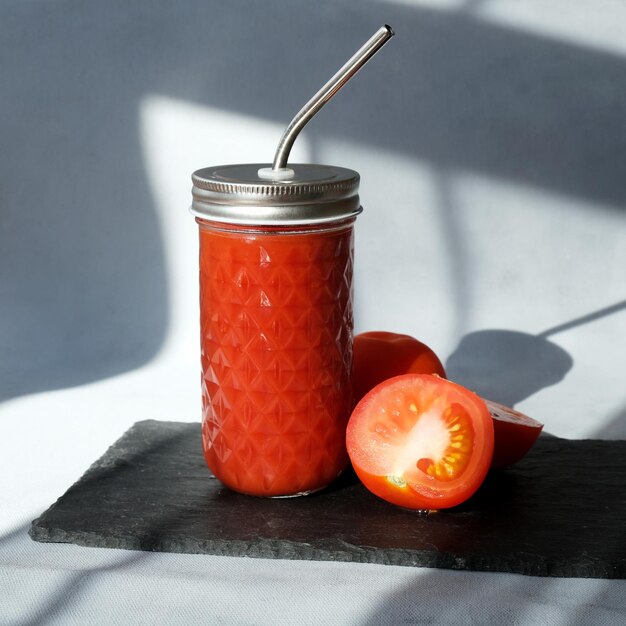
(561, 511)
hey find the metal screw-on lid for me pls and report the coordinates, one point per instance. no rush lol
(241, 194)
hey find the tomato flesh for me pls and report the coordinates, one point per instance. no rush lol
(420, 441)
(514, 434)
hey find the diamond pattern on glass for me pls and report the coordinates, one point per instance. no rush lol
(276, 324)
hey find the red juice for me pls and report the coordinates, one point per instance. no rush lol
(276, 339)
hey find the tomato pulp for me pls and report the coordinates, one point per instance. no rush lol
(420, 441)
(276, 339)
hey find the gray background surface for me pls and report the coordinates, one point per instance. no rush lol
(490, 137)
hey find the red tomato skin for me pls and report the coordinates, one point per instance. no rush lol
(429, 495)
(405, 497)
(380, 355)
(512, 439)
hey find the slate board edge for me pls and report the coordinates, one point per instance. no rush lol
(337, 551)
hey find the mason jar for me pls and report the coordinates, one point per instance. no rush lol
(276, 311)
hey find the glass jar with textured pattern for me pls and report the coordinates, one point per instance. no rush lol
(276, 296)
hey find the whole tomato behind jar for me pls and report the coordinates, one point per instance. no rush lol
(379, 355)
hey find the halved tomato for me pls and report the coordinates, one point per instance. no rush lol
(421, 441)
(514, 434)
(379, 355)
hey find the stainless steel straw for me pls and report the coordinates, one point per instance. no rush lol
(351, 67)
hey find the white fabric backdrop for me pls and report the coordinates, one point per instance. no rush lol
(490, 140)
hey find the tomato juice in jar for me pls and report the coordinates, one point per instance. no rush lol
(276, 259)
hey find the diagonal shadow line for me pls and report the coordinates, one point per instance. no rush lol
(54, 607)
(73, 584)
(584, 319)
(9, 536)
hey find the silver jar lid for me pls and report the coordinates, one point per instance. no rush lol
(243, 194)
